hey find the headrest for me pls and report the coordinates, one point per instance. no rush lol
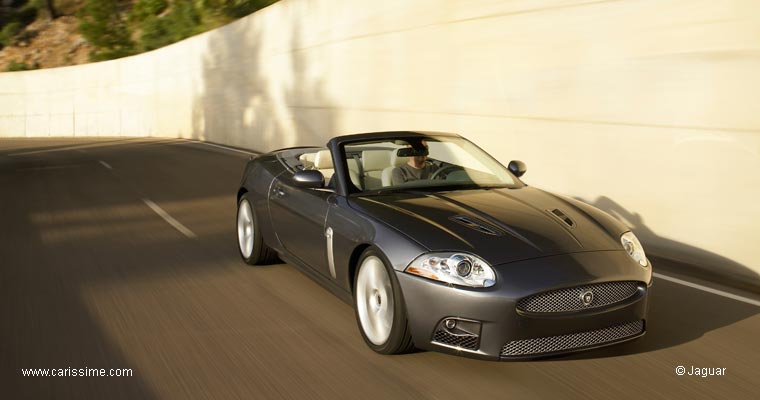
(323, 160)
(375, 160)
(307, 157)
(396, 160)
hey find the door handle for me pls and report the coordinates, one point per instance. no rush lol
(278, 191)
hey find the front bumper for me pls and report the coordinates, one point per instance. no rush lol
(493, 327)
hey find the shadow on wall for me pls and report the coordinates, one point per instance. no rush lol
(257, 98)
(680, 257)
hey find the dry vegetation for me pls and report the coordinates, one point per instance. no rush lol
(45, 42)
(81, 31)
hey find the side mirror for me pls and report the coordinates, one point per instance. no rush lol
(309, 179)
(517, 168)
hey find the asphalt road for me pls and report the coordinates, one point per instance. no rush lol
(92, 277)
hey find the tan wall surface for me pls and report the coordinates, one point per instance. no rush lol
(648, 109)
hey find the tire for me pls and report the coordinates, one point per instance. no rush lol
(379, 306)
(251, 244)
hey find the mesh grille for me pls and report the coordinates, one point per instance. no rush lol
(469, 342)
(571, 341)
(569, 299)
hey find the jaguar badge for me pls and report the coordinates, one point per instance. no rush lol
(587, 298)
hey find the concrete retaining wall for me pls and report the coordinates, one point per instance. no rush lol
(648, 109)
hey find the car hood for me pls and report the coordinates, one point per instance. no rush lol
(499, 225)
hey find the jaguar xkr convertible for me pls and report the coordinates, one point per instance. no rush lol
(438, 246)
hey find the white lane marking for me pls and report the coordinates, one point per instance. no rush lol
(708, 289)
(105, 164)
(222, 147)
(168, 218)
(48, 168)
(77, 148)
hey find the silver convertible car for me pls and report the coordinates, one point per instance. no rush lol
(438, 246)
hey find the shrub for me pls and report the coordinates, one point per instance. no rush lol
(154, 34)
(9, 32)
(20, 66)
(183, 21)
(241, 8)
(14, 21)
(103, 26)
(27, 14)
(235, 8)
(147, 8)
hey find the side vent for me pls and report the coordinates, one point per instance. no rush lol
(559, 214)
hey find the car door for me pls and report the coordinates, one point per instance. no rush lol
(298, 215)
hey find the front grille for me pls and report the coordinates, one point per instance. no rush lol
(572, 341)
(570, 299)
(469, 342)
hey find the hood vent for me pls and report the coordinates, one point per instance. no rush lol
(477, 225)
(559, 214)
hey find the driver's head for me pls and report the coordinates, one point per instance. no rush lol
(419, 160)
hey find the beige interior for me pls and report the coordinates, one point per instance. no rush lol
(373, 163)
(387, 174)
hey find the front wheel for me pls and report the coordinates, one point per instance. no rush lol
(252, 248)
(379, 305)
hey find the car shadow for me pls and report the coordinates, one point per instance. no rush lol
(677, 314)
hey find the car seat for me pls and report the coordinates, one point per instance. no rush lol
(387, 174)
(373, 163)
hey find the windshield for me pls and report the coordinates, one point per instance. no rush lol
(421, 162)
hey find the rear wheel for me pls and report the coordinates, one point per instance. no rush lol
(379, 305)
(252, 248)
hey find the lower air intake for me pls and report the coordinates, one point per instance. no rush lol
(572, 341)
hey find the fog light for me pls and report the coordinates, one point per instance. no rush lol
(457, 333)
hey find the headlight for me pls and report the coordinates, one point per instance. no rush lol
(633, 247)
(457, 268)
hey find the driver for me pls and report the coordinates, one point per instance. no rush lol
(418, 167)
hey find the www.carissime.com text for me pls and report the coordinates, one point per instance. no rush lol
(70, 372)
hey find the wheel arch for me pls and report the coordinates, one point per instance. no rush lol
(241, 192)
(353, 263)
